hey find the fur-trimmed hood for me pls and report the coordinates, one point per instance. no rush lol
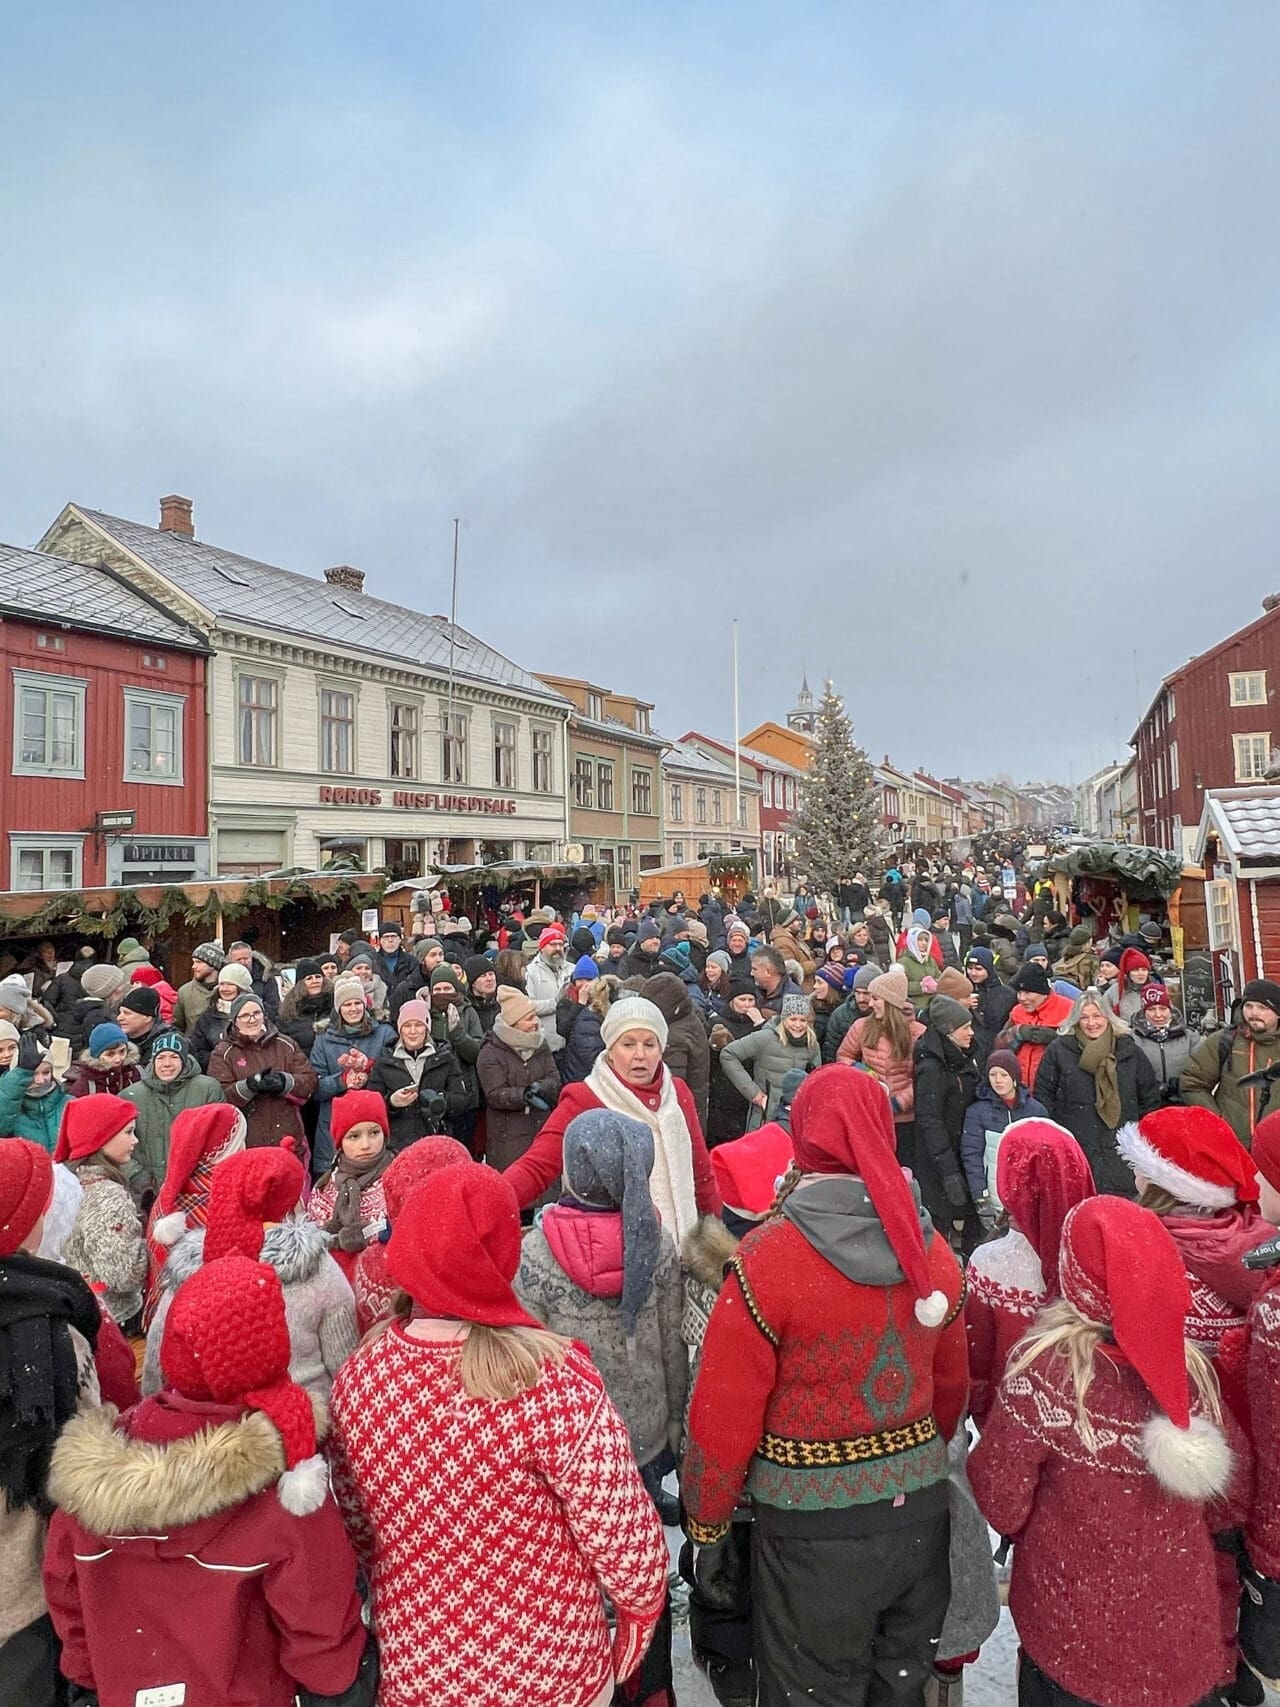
(96, 1064)
(295, 1248)
(707, 1250)
(113, 1484)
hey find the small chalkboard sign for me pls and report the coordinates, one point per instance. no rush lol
(1197, 987)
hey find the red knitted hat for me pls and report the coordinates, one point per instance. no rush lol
(354, 1107)
(1131, 959)
(210, 1134)
(146, 975)
(551, 936)
(1041, 1173)
(1155, 996)
(26, 1190)
(248, 1190)
(1192, 1153)
(1266, 1149)
(226, 1339)
(748, 1169)
(841, 1124)
(455, 1249)
(90, 1122)
(417, 1163)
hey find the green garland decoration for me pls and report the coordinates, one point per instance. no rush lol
(129, 916)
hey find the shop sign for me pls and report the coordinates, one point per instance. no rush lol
(414, 802)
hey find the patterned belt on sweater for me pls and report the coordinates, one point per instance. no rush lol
(857, 1449)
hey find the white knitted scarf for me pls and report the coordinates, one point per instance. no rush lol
(671, 1182)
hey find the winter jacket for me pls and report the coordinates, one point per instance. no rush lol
(726, 1111)
(436, 1069)
(1036, 1031)
(544, 984)
(373, 1213)
(207, 1033)
(1168, 1051)
(637, 964)
(1080, 968)
(687, 1054)
(318, 1304)
(157, 1105)
(172, 1559)
(1211, 1079)
(995, 1003)
(987, 1117)
(302, 1016)
(269, 1117)
(23, 1116)
(1005, 1292)
(88, 1077)
(76, 1022)
(571, 1278)
(578, 1023)
(897, 1077)
(922, 975)
(193, 998)
(505, 1075)
(761, 1061)
(409, 987)
(838, 1022)
(105, 1244)
(791, 946)
(370, 1038)
(946, 1082)
(1212, 1247)
(1068, 1092)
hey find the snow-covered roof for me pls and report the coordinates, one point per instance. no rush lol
(1246, 821)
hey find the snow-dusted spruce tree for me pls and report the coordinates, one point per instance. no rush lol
(837, 826)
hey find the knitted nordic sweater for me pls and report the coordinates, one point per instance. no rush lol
(489, 1528)
(1262, 1533)
(106, 1244)
(1005, 1290)
(817, 1392)
(1114, 1589)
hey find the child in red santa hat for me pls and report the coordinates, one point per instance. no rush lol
(348, 1202)
(199, 1139)
(372, 1285)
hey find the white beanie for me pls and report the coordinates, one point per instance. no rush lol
(633, 1013)
(234, 973)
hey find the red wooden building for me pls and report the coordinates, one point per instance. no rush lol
(1238, 844)
(103, 731)
(1212, 724)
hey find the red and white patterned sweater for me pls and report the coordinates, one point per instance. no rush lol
(1006, 1290)
(489, 1528)
(1262, 1532)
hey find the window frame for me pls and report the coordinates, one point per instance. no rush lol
(642, 791)
(677, 852)
(540, 732)
(1237, 677)
(39, 681)
(1251, 775)
(595, 706)
(506, 775)
(717, 806)
(275, 681)
(604, 776)
(677, 803)
(461, 735)
(156, 701)
(584, 783)
(414, 707)
(33, 841)
(699, 805)
(332, 724)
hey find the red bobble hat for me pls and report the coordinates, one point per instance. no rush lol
(26, 1190)
(1131, 960)
(248, 1190)
(417, 1163)
(841, 1123)
(1041, 1174)
(553, 935)
(1192, 1153)
(1154, 996)
(455, 1249)
(353, 1109)
(210, 1134)
(226, 1339)
(1266, 1149)
(90, 1122)
(748, 1169)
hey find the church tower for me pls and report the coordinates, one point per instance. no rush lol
(805, 715)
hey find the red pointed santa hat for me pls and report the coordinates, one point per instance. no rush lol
(1192, 1153)
(749, 1169)
(841, 1123)
(90, 1122)
(422, 1159)
(247, 1191)
(1041, 1173)
(209, 1134)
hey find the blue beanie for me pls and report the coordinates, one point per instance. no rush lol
(585, 969)
(922, 917)
(679, 955)
(106, 1036)
(983, 957)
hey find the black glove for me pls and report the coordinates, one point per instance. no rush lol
(271, 1083)
(1260, 1623)
(1262, 1076)
(253, 1084)
(957, 1192)
(31, 1051)
(534, 1102)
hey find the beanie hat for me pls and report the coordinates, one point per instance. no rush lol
(742, 986)
(866, 976)
(1260, 990)
(1080, 937)
(921, 918)
(698, 931)
(552, 937)
(249, 1189)
(719, 957)
(749, 1170)
(226, 1339)
(582, 941)
(389, 927)
(952, 982)
(476, 967)
(360, 957)
(446, 973)
(231, 972)
(100, 982)
(172, 1043)
(633, 1013)
(209, 954)
(422, 1159)
(1119, 1267)
(413, 1010)
(1033, 979)
(832, 976)
(514, 1003)
(1008, 1062)
(127, 947)
(1041, 1173)
(14, 994)
(1266, 1149)
(146, 973)
(1113, 956)
(141, 999)
(348, 988)
(1131, 960)
(90, 1122)
(790, 1083)
(679, 955)
(947, 1016)
(1155, 996)
(647, 931)
(615, 937)
(841, 1124)
(734, 927)
(307, 968)
(890, 987)
(247, 999)
(1192, 1153)
(981, 957)
(108, 1035)
(795, 1007)
(209, 1133)
(354, 1108)
(455, 1249)
(585, 970)
(26, 1190)
(1037, 952)
(608, 1158)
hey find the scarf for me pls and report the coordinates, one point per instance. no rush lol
(525, 1043)
(671, 1183)
(39, 1372)
(413, 1064)
(1098, 1058)
(350, 1184)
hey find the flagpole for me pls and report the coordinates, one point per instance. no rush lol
(737, 750)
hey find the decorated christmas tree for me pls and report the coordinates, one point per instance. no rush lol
(837, 826)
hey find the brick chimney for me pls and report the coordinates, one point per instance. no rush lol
(343, 575)
(175, 516)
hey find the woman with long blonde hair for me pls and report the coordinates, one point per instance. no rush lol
(486, 1479)
(1111, 1462)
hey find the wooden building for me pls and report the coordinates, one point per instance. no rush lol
(1238, 845)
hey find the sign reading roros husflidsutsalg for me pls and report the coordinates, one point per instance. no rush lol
(414, 802)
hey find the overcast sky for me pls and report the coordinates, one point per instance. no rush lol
(938, 342)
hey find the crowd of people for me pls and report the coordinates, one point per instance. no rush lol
(365, 1323)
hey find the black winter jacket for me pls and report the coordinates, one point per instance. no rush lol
(946, 1085)
(1069, 1093)
(441, 1072)
(579, 1026)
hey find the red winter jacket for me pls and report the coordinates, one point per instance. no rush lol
(242, 1604)
(1048, 1016)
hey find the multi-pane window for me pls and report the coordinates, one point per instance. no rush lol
(337, 731)
(595, 706)
(604, 787)
(404, 740)
(677, 853)
(504, 755)
(699, 805)
(153, 737)
(622, 870)
(542, 765)
(742, 811)
(584, 773)
(766, 789)
(45, 868)
(50, 725)
(453, 746)
(1253, 753)
(642, 719)
(642, 791)
(1248, 687)
(717, 807)
(1173, 764)
(677, 803)
(259, 715)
